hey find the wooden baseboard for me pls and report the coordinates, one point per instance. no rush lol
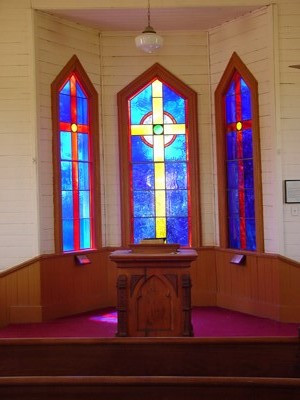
(248, 306)
(59, 310)
(25, 314)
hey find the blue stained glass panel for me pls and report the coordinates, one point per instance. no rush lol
(231, 146)
(140, 105)
(67, 204)
(85, 233)
(230, 109)
(177, 231)
(143, 176)
(79, 91)
(234, 233)
(83, 146)
(68, 234)
(247, 144)
(233, 202)
(84, 204)
(177, 203)
(232, 174)
(143, 228)
(140, 151)
(66, 175)
(244, 86)
(246, 101)
(248, 173)
(177, 150)
(249, 203)
(65, 145)
(64, 108)
(83, 176)
(176, 175)
(174, 104)
(143, 203)
(82, 111)
(250, 234)
(231, 89)
(66, 89)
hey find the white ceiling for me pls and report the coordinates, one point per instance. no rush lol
(135, 19)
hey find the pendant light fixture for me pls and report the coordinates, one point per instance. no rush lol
(149, 41)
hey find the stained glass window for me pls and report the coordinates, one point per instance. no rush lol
(75, 167)
(239, 165)
(159, 165)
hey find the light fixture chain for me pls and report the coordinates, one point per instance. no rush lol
(149, 21)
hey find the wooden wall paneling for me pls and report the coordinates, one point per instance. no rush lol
(268, 289)
(111, 280)
(289, 293)
(203, 275)
(26, 306)
(68, 288)
(3, 302)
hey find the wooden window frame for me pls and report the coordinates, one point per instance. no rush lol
(159, 72)
(74, 66)
(236, 64)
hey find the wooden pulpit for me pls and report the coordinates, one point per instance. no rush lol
(154, 290)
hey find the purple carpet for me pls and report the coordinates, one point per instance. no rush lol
(207, 322)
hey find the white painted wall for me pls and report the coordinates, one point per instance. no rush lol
(185, 55)
(57, 41)
(19, 239)
(251, 36)
(289, 54)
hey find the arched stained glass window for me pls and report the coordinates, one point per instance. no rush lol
(239, 168)
(75, 167)
(159, 165)
(157, 158)
(239, 158)
(74, 159)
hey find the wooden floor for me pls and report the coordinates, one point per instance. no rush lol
(150, 368)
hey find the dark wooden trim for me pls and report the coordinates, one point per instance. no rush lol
(236, 64)
(157, 71)
(75, 66)
(148, 380)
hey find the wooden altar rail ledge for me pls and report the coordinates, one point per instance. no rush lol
(148, 388)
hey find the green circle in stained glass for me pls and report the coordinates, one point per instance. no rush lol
(158, 129)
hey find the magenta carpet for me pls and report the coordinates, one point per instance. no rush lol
(207, 322)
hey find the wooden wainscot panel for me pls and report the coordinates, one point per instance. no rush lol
(289, 278)
(68, 288)
(204, 278)
(3, 303)
(20, 293)
(252, 287)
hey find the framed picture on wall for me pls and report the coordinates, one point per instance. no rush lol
(292, 191)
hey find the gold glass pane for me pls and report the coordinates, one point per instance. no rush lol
(160, 203)
(157, 110)
(158, 148)
(174, 129)
(141, 130)
(159, 175)
(157, 89)
(161, 231)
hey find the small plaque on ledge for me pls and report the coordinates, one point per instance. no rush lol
(154, 247)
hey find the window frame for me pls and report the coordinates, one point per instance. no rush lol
(236, 64)
(74, 66)
(159, 72)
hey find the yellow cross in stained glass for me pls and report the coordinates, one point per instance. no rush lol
(157, 130)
